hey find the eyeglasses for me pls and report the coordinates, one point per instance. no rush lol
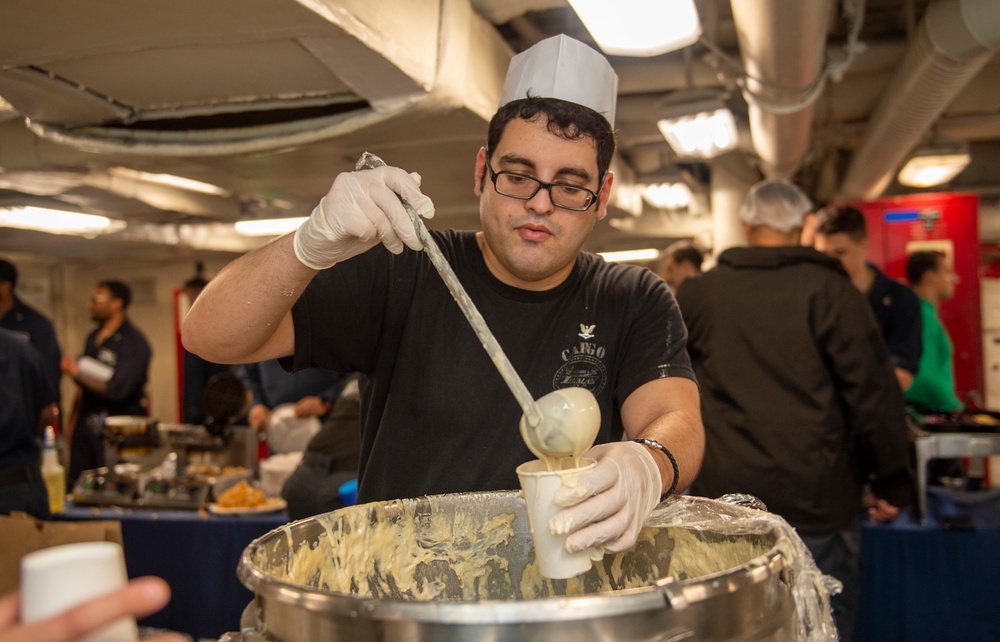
(523, 187)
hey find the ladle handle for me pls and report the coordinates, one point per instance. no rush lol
(528, 406)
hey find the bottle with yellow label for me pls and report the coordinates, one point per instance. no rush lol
(53, 473)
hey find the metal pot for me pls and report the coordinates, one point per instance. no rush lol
(702, 569)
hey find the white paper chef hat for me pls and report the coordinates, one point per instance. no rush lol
(563, 68)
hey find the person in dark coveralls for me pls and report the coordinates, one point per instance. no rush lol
(123, 349)
(23, 396)
(800, 402)
(841, 232)
(436, 416)
(35, 328)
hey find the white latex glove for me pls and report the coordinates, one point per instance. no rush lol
(360, 211)
(609, 503)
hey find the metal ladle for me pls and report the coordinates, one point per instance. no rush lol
(546, 440)
(570, 421)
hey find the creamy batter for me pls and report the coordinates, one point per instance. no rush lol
(401, 550)
(418, 557)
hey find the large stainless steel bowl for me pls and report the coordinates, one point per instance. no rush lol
(461, 567)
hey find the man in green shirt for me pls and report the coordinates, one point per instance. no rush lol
(932, 276)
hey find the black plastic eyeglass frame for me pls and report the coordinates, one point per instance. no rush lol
(541, 184)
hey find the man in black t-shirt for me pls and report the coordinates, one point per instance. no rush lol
(436, 417)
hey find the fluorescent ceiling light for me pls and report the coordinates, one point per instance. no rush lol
(58, 221)
(180, 182)
(933, 165)
(270, 226)
(699, 129)
(639, 27)
(668, 196)
(625, 256)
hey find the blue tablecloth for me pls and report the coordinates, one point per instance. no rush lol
(928, 583)
(918, 583)
(196, 554)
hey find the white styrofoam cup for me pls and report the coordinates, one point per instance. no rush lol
(56, 579)
(540, 485)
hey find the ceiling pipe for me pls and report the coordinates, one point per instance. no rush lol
(782, 45)
(731, 179)
(950, 47)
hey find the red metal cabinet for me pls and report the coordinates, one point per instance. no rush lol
(899, 225)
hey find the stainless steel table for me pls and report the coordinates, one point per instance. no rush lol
(952, 445)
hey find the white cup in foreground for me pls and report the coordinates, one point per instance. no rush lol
(540, 485)
(56, 579)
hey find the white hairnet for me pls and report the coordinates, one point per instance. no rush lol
(776, 204)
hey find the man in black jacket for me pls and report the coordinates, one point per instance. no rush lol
(799, 399)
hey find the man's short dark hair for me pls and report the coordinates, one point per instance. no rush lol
(565, 119)
(684, 251)
(8, 273)
(920, 263)
(842, 219)
(119, 291)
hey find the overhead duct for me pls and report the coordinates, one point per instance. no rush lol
(782, 45)
(949, 48)
(137, 83)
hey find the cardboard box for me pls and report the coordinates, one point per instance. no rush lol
(21, 534)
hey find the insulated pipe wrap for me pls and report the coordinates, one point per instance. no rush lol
(782, 45)
(946, 53)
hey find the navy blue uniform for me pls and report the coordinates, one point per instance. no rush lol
(30, 324)
(128, 352)
(897, 311)
(272, 385)
(23, 395)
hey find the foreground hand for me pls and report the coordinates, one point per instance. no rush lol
(140, 598)
(258, 416)
(69, 366)
(312, 406)
(609, 503)
(362, 210)
(880, 510)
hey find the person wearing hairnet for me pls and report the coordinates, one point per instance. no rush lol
(436, 416)
(799, 398)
